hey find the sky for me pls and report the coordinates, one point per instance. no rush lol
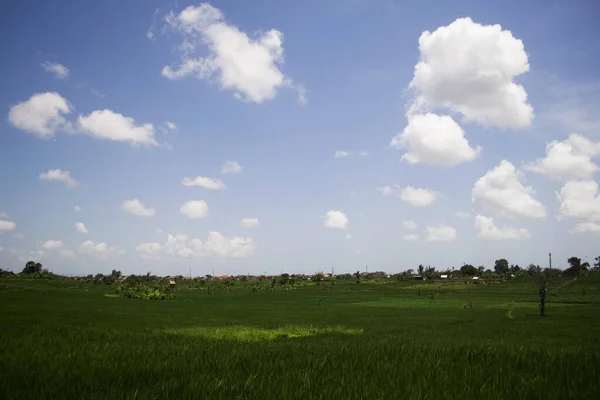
(259, 137)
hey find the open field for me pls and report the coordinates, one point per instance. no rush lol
(351, 341)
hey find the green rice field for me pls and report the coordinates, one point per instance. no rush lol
(373, 340)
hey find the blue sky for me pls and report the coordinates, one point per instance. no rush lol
(279, 89)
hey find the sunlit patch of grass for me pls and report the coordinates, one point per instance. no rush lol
(509, 310)
(252, 334)
(111, 295)
(530, 304)
(418, 302)
(439, 286)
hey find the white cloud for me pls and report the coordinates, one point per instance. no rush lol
(434, 140)
(336, 220)
(418, 197)
(415, 196)
(441, 233)
(250, 223)
(149, 250)
(59, 175)
(77, 209)
(348, 236)
(570, 159)
(52, 244)
(409, 224)
(231, 167)
(3, 214)
(167, 128)
(106, 124)
(67, 253)
(18, 236)
(470, 68)
(80, 227)
(150, 35)
(42, 114)
(586, 227)
(101, 250)
(486, 229)
(216, 246)
(302, 98)
(411, 237)
(134, 206)
(501, 191)
(249, 67)
(195, 209)
(462, 214)
(344, 153)
(205, 182)
(7, 225)
(387, 190)
(341, 154)
(579, 200)
(59, 70)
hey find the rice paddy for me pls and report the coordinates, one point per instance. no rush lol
(393, 340)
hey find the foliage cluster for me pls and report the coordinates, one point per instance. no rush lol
(136, 287)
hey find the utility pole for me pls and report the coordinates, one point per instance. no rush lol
(367, 268)
(332, 271)
(550, 260)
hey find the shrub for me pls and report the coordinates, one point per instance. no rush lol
(154, 290)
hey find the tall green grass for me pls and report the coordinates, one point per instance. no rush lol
(347, 342)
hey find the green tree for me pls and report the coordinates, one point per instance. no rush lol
(577, 268)
(357, 275)
(468, 270)
(501, 266)
(284, 279)
(597, 263)
(5, 273)
(31, 267)
(532, 269)
(480, 270)
(421, 268)
(116, 274)
(431, 273)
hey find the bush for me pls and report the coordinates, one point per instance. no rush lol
(156, 290)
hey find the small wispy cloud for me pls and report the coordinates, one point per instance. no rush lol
(341, 154)
(231, 167)
(59, 175)
(59, 70)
